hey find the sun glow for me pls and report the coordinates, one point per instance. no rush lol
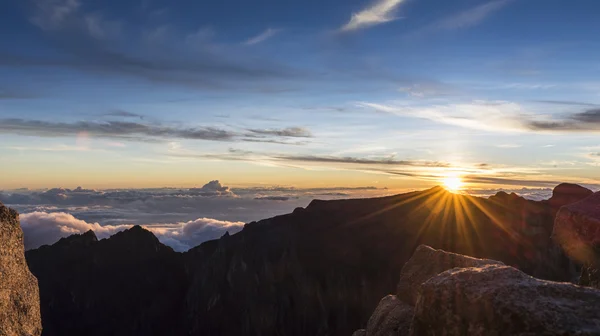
(453, 183)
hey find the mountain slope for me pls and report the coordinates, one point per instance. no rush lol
(317, 271)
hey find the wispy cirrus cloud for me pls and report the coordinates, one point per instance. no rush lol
(52, 14)
(362, 161)
(567, 103)
(466, 19)
(265, 35)
(495, 116)
(123, 114)
(112, 129)
(382, 11)
(293, 132)
(145, 131)
(93, 42)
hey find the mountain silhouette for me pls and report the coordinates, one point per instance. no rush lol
(320, 270)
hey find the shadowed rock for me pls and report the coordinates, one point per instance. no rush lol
(129, 284)
(19, 295)
(360, 332)
(501, 300)
(577, 230)
(321, 270)
(391, 317)
(426, 263)
(567, 193)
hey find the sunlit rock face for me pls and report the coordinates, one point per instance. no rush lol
(501, 300)
(577, 230)
(19, 296)
(427, 262)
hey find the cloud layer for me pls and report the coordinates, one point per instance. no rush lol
(180, 218)
(495, 116)
(145, 131)
(43, 228)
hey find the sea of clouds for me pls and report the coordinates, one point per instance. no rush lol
(180, 218)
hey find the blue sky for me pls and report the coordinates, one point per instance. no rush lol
(394, 93)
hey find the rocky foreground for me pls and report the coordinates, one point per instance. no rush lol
(324, 270)
(459, 295)
(19, 295)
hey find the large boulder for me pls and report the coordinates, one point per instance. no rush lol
(577, 230)
(427, 262)
(567, 193)
(19, 294)
(501, 300)
(392, 317)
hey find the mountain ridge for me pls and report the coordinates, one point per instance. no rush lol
(319, 270)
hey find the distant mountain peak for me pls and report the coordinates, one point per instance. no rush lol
(84, 239)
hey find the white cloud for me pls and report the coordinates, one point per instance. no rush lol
(509, 145)
(41, 228)
(265, 35)
(213, 188)
(380, 12)
(462, 20)
(184, 236)
(481, 115)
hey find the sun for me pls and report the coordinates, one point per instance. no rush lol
(453, 183)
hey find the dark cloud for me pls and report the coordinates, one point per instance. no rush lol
(273, 198)
(588, 120)
(508, 181)
(135, 131)
(124, 114)
(563, 102)
(88, 42)
(293, 132)
(362, 161)
(113, 129)
(169, 61)
(279, 142)
(589, 116)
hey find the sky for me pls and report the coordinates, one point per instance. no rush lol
(392, 93)
(208, 114)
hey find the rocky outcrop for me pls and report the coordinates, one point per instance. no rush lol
(392, 317)
(568, 193)
(19, 296)
(426, 263)
(129, 284)
(577, 230)
(501, 300)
